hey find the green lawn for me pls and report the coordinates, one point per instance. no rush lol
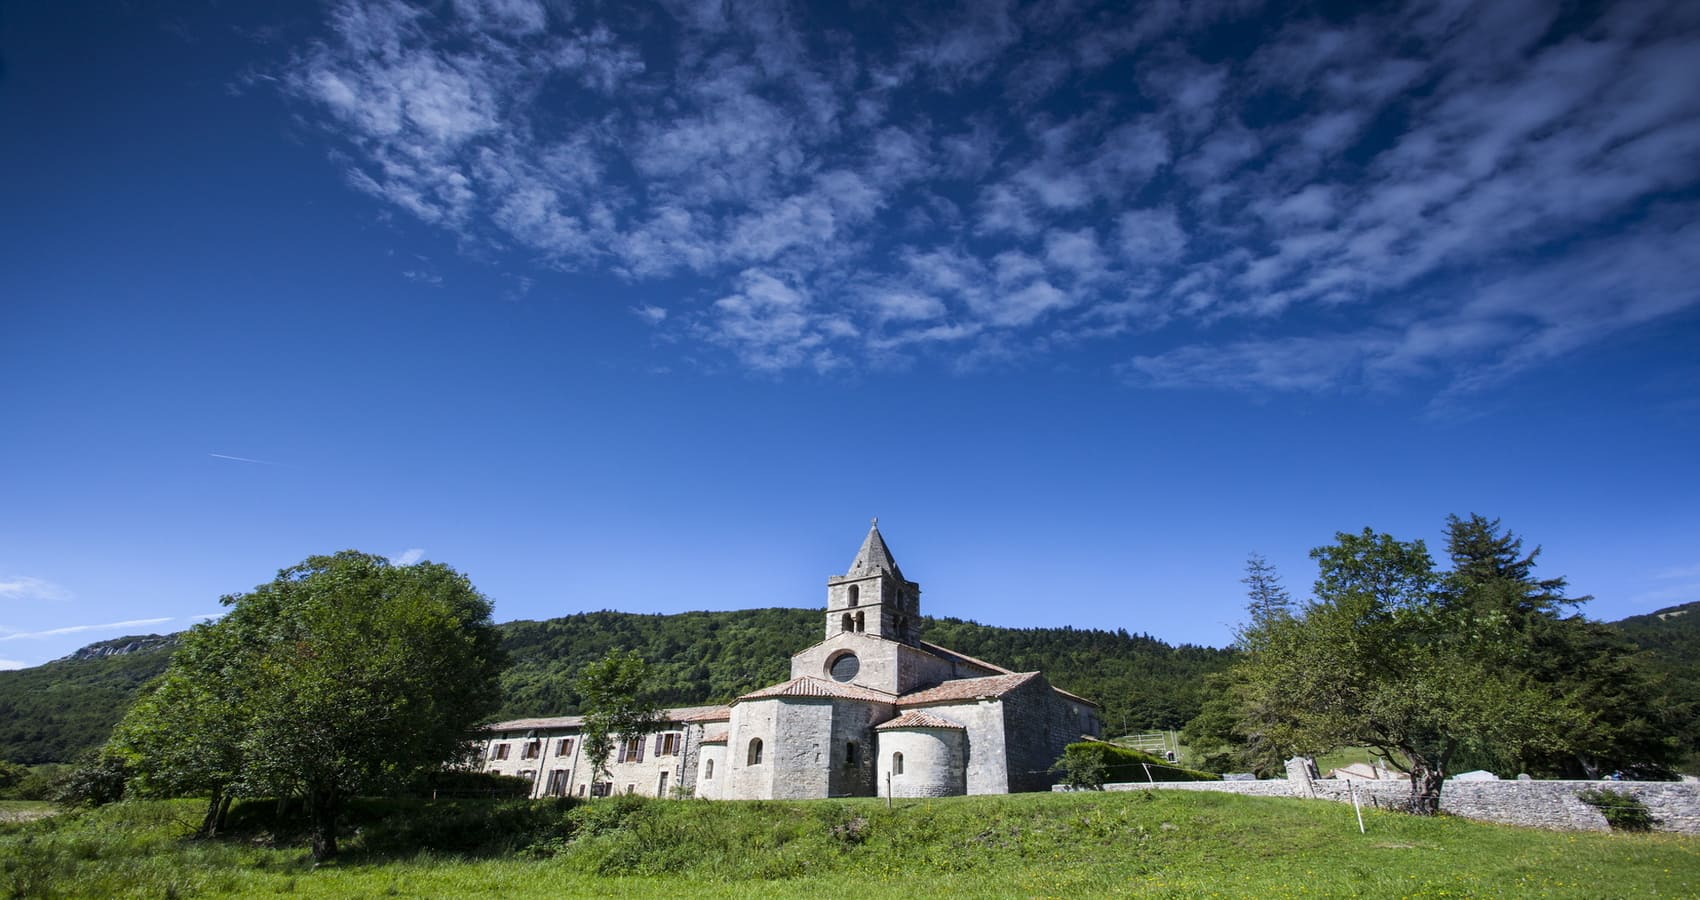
(1157, 844)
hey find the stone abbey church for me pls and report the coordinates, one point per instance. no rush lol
(871, 710)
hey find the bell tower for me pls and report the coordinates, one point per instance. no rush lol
(873, 597)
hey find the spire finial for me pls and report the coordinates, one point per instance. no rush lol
(875, 521)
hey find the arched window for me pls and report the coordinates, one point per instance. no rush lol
(850, 754)
(708, 770)
(855, 594)
(860, 624)
(897, 764)
(848, 623)
(755, 752)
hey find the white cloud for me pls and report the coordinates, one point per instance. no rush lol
(78, 629)
(407, 557)
(24, 589)
(837, 192)
(10, 664)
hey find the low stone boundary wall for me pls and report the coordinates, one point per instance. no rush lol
(1540, 804)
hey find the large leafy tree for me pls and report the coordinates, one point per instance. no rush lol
(344, 675)
(618, 700)
(1619, 722)
(1383, 657)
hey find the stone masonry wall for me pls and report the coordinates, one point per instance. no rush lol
(1038, 725)
(1539, 804)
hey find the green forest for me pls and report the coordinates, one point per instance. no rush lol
(52, 712)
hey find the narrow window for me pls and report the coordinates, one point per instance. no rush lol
(861, 625)
(708, 770)
(897, 764)
(661, 785)
(565, 747)
(501, 751)
(532, 749)
(855, 594)
(850, 754)
(848, 623)
(631, 789)
(755, 752)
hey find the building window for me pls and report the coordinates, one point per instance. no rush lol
(661, 785)
(860, 624)
(755, 752)
(850, 754)
(532, 749)
(581, 790)
(564, 747)
(844, 667)
(631, 750)
(601, 789)
(500, 751)
(897, 764)
(847, 624)
(708, 770)
(855, 595)
(631, 789)
(667, 744)
(557, 783)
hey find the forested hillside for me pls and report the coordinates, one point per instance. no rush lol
(706, 657)
(52, 712)
(1670, 638)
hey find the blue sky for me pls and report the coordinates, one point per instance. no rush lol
(650, 307)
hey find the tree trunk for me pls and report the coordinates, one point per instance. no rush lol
(209, 823)
(1425, 790)
(223, 813)
(324, 811)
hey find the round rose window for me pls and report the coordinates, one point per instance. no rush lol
(845, 667)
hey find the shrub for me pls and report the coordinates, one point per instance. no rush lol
(1623, 811)
(96, 781)
(1092, 764)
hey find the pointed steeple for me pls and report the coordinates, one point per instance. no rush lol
(874, 556)
(874, 598)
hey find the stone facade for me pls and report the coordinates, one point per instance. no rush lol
(870, 708)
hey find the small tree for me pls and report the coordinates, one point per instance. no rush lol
(1266, 599)
(617, 701)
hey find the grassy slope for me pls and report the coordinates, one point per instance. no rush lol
(1150, 844)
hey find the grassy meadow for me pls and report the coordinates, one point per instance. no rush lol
(1149, 844)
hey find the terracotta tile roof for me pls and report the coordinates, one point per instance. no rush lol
(948, 653)
(715, 737)
(668, 716)
(917, 719)
(968, 689)
(700, 713)
(1076, 697)
(537, 724)
(809, 686)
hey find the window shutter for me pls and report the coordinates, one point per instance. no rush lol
(639, 749)
(658, 744)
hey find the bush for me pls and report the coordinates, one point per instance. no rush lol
(96, 781)
(1623, 811)
(1092, 764)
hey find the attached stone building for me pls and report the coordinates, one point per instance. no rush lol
(871, 709)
